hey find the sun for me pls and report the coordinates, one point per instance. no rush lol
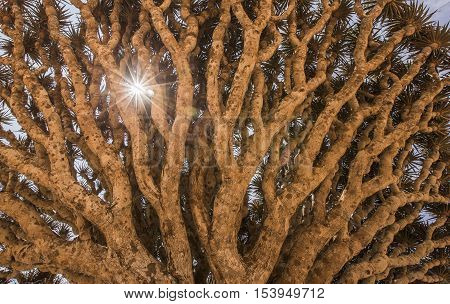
(140, 90)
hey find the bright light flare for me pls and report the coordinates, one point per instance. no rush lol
(140, 91)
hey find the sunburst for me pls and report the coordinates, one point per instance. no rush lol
(139, 89)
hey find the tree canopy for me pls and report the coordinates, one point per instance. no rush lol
(279, 141)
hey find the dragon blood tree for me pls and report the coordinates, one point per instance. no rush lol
(155, 141)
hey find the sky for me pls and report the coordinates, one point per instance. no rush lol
(443, 9)
(441, 6)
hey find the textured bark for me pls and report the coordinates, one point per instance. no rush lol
(224, 141)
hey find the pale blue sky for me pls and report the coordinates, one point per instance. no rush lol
(441, 6)
(443, 9)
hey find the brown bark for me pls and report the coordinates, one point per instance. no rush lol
(235, 143)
